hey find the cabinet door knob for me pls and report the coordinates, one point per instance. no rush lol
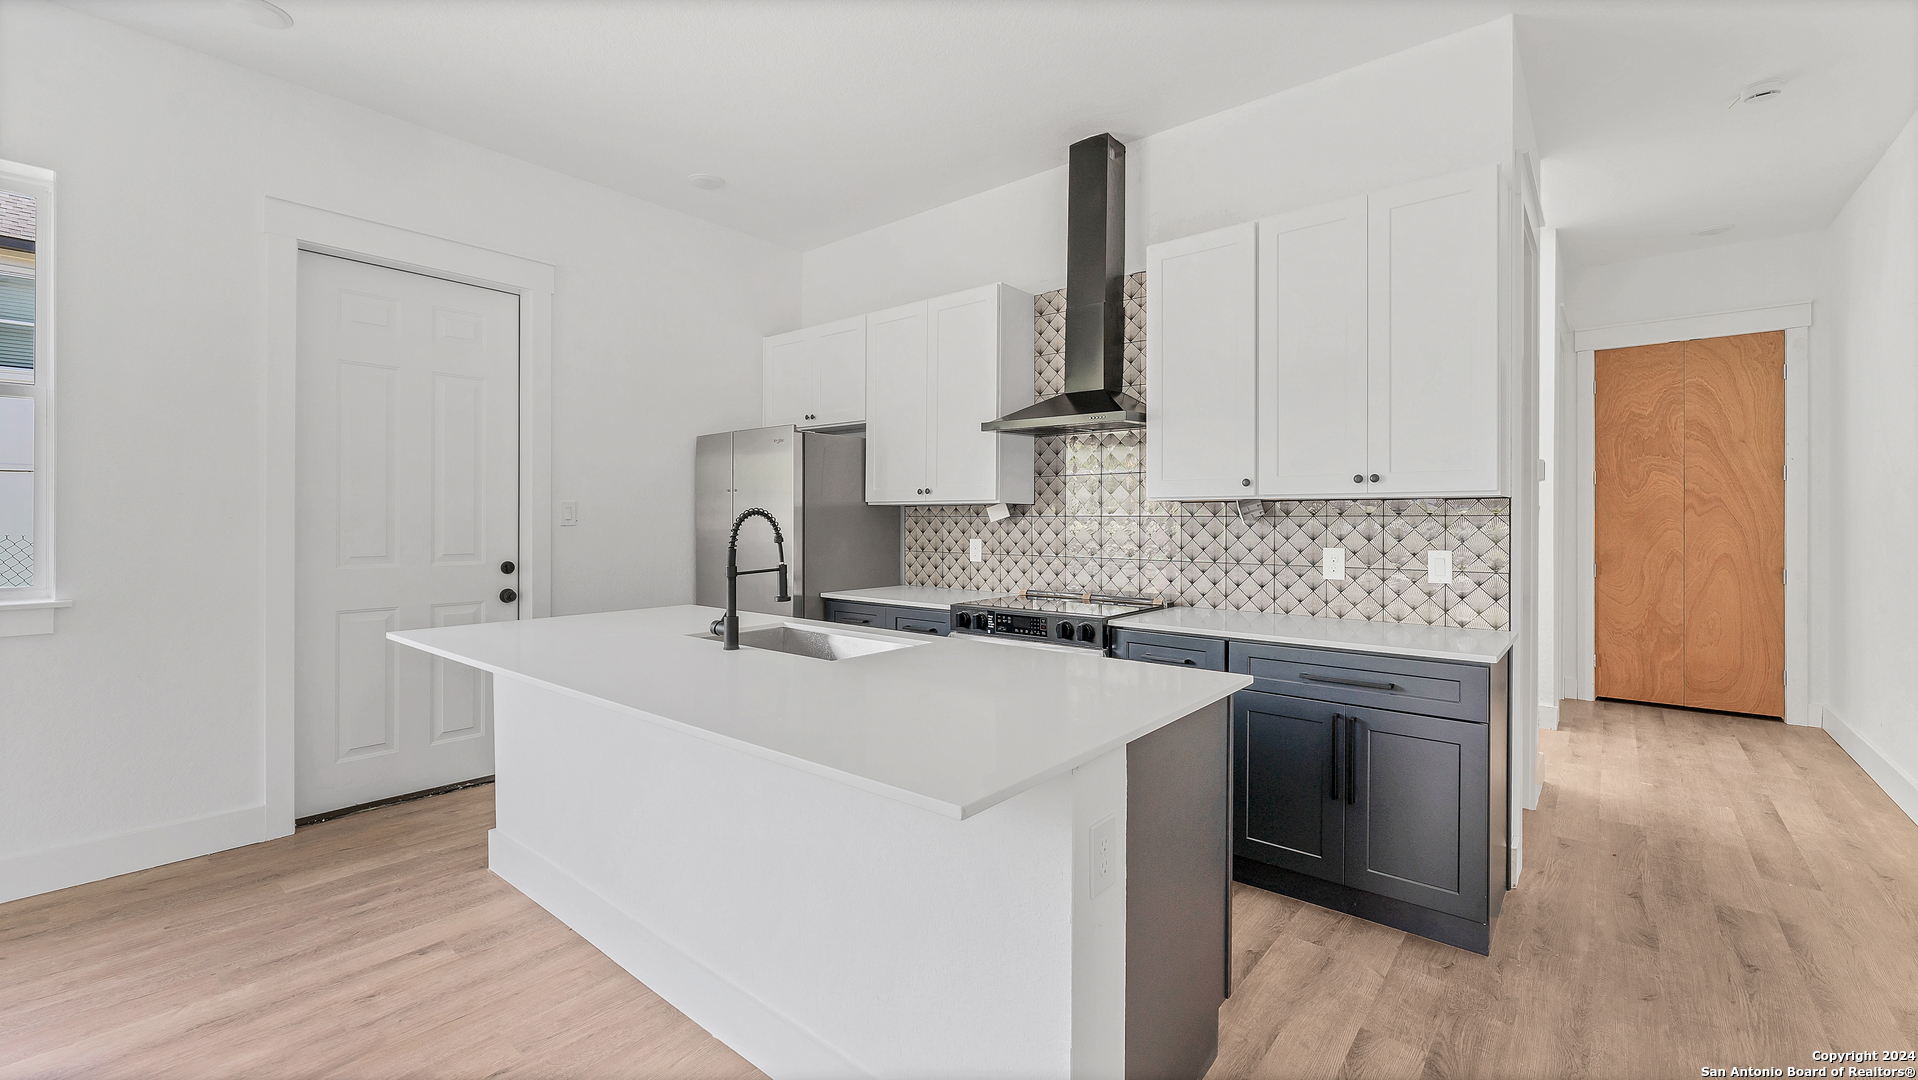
(1358, 478)
(1245, 483)
(1375, 478)
(506, 567)
(507, 596)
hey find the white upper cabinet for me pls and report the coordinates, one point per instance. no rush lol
(816, 377)
(1350, 350)
(899, 439)
(1312, 361)
(1433, 337)
(936, 371)
(1201, 366)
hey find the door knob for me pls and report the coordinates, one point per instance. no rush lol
(507, 596)
(1375, 478)
(1245, 483)
(507, 567)
(1358, 478)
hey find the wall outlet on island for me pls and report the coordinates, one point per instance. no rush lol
(1105, 854)
(977, 551)
(1332, 563)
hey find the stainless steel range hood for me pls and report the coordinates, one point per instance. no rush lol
(1095, 298)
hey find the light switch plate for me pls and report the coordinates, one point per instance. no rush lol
(1332, 563)
(1438, 566)
(978, 550)
(1105, 854)
(569, 513)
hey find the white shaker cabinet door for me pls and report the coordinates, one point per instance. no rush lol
(1202, 367)
(1312, 357)
(963, 335)
(839, 359)
(899, 436)
(789, 379)
(1433, 337)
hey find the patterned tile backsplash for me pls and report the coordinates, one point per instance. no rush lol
(1090, 527)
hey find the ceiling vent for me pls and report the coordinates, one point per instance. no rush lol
(1759, 91)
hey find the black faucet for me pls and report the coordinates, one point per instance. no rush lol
(728, 627)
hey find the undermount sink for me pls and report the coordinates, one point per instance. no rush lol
(814, 643)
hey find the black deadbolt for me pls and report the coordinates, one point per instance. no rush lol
(506, 567)
(507, 596)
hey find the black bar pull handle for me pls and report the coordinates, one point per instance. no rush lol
(1363, 684)
(1352, 762)
(1337, 720)
(1151, 659)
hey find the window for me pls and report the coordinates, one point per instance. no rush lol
(26, 385)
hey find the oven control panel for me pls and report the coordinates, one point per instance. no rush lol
(1084, 632)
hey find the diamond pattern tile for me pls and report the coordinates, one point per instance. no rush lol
(1091, 527)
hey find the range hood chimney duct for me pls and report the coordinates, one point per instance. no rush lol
(1095, 304)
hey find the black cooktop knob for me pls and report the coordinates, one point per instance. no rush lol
(1088, 632)
(1065, 630)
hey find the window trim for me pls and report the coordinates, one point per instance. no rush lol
(31, 610)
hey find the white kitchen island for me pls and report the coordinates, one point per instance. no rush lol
(881, 865)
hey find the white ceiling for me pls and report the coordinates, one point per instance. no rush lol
(829, 117)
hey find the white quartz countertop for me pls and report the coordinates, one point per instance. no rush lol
(919, 596)
(1386, 639)
(954, 725)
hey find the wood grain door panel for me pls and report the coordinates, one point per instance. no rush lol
(1690, 529)
(1640, 519)
(1734, 523)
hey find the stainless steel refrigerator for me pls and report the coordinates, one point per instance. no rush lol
(816, 486)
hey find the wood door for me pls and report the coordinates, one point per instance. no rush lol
(407, 510)
(1690, 530)
(1735, 523)
(1640, 517)
(1312, 361)
(1432, 337)
(1202, 366)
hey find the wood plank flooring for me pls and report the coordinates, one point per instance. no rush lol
(1699, 890)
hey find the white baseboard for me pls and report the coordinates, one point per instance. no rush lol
(1548, 717)
(770, 1040)
(1897, 783)
(58, 868)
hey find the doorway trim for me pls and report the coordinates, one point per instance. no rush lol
(290, 228)
(1795, 320)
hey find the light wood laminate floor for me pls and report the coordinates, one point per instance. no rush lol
(1700, 890)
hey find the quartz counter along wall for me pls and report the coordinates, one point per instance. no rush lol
(1090, 528)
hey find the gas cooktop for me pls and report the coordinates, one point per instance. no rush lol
(1063, 618)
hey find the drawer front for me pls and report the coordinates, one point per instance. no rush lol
(916, 621)
(840, 611)
(1427, 687)
(1178, 650)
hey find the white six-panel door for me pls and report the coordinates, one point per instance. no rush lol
(407, 507)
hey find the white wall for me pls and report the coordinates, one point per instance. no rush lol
(1726, 277)
(1865, 401)
(1440, 107)
(142, 710)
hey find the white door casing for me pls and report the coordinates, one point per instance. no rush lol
(407, 506)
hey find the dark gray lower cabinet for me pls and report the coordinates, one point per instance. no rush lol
(1290, 809)
(912, 620)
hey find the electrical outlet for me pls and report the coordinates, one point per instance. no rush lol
(1105, 854)
(1438, 566)
(569, 513)
(1332, 563)
(977, 552)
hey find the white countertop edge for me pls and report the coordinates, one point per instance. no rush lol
(1486, 647)
(898, 794)
(880, 595)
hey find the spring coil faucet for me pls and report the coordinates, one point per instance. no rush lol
(727, 627)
